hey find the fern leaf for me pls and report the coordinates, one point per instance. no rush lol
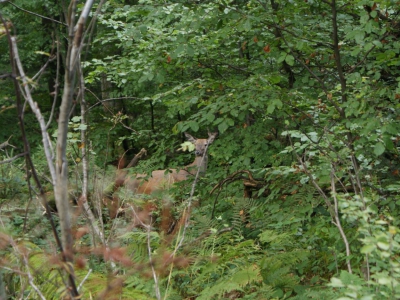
(235, 282)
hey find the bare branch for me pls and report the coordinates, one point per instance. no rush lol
(84, 279)
(57, 83)
(187, 211)
(35, 108)
(155, 276)
(12, 158)
(7, 144)
(337, 220)
(137, 157)
(115, 115)
(24, 256)
(30, 169)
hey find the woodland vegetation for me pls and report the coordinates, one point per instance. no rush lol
(301, 196)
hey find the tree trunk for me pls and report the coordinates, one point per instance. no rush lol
(76, 34)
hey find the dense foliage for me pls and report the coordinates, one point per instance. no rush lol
(305, 97)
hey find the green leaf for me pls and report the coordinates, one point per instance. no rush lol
(180, 49)
(336, 282)
(289, 60)
(194, 126)
(348, 278)
(275, 103)
(388, 143)
(76, 119)
(230, 121)
(223, 126)
(271, 108)
(190, 51)
(390, 128)
(247, 25)
(210, 117)
(282, 57)
(379, 148)
(143, 28)
(385, 281)
(367, 248)
(274, 79)
(383, 245)
(81, 127)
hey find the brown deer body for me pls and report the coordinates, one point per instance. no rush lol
(159, 179)
(164, 179)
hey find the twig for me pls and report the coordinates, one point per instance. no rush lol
(248, 183)
(137, 157)
(337, 220)
(35, 14)
(114, 115)
(207, 234)
(187, 211)
(27, 268)
(6, 143)
(84, 279)
(57, 83)
(153, 271)
(186, 215)
(30, 168)
(100, 102)
(35, 108)
(40, 72)
(333, 209)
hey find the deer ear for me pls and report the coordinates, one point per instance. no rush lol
(190, 138)
(211, 137)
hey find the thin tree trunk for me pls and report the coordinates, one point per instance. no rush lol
(85, 170)
(76, 34)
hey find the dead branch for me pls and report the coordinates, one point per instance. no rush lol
(7, 144)
(6, 161)
(142, 153)
(203, 236)
(250, 183)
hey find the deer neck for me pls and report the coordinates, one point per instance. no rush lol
(199, 163)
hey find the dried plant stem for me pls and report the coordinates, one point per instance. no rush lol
(337, 222)
(333, 209)
(28, 273)
(186, 218)
(155, 276)
(84, 279)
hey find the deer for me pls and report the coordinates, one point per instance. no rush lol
(164, 179)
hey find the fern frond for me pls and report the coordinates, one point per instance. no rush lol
(241, 212)
(201, 237)
(100, 286)
(316, 293)
(277, 275)
(137, 243)
(234, 282)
